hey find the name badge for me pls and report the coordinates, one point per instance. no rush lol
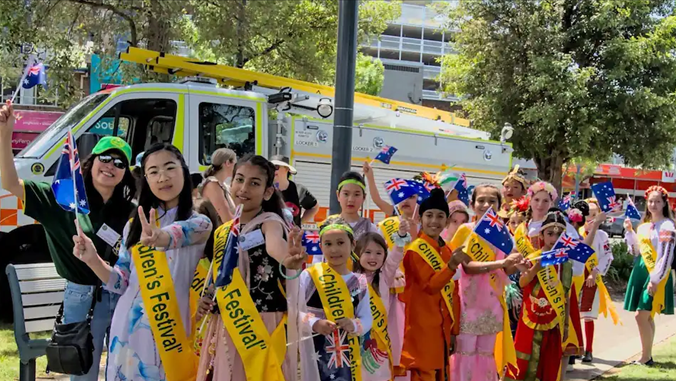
(108, 235)
(251, 239)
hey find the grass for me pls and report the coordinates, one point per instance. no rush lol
(9, 355)
(665, 366)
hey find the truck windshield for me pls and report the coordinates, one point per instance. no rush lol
(68, 120)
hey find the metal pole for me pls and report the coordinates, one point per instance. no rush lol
(341, 153)
(577, 182)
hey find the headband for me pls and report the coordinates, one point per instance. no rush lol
(346, 228)
(543, 186)
(554, 223)
(516, 176)
(656, 188)
(351, 181)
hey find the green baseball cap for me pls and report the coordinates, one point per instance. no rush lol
(108, 143)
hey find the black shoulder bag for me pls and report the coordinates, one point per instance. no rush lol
(71, 350)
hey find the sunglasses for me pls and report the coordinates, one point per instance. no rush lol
(118, 163)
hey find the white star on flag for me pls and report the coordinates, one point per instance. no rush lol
(314, 248)
(72, 205)
(83, 202)
(487, 230)
(401, 194)
(57, 181)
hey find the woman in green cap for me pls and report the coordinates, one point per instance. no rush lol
(110, 187)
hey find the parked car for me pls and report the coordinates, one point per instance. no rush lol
(614, 226)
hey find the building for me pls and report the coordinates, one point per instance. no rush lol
(410, 49)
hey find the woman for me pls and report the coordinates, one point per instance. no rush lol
(109, 187)
(151, 325)
(214, 190)
(650, 289)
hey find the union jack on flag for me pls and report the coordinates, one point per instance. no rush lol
(632, 212)
(564, 203)
(494, 231)
(399, 190)
(311, 243)
(605, 194)
(68, 183)
(35, 75)
(554, 257)
(385, 154)
(463, 191)
(338, 349)
(575, 249)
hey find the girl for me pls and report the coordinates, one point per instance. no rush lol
(481, 305)
(214, 190)
(458, 217)
(650, 289)
(380, 268)
(334, 309)
(151, 281)
(516, 214)
(260, 264)
(514, 186)
(109, 187)
(591, 291)
(406, 208)
(430, 296)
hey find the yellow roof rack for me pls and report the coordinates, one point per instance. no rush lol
(236, 77)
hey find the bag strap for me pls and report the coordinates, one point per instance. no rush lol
(96, 294)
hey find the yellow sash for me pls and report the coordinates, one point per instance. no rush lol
(337, 303)
(388, 227)
(196, 287)
(164, 314)
(479, 251)
(261, 353)
(606, 305)
(379, 327)
(649, 256)
(433, 258)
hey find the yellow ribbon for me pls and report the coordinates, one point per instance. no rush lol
(337, 303)
(164, 313)
(379, 315)
(433, 258)
(262, 354)
(649, 256)
(479, 251)
(196, 287)
(388, 227)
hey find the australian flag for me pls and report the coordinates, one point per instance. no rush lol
(574, 248)
(422, 188)
(605, 194)
(230, 253)
(564, 203)
(311, 243)
(400, 189)
(68, 183)
(35, 75)
(462, 188)
(632, 212)
(553, 257)
(492, 229)
(386, 154)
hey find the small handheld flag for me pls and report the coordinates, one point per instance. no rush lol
(311, 243)
(463, 191)
(632, 212)
(399, 190)
(605, 194)
(575, 248)
(564, 203)
(35, 76)
(553, 257)
(68, 183)
(385, 154)
(422, 188)
(230, 252)
(492, 229)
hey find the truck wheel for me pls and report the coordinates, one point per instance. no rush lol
(24, 245)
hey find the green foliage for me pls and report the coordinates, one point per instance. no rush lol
(623, 263)
(575, 79)
(369, 75)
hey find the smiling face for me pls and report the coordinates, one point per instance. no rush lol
(351, 198)
(486, 198)
(336, 247)
(540, 203)
(164, 175)
(655, 204)
(249, 188)
(433, 222)
(373, 257)
(108, 169)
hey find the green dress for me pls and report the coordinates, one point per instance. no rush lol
(637, 298)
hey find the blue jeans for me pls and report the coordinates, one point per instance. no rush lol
(76, 302)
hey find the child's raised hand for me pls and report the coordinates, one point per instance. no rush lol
(324, 327)
(404, 226)
(297, 254)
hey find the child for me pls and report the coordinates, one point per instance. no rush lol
(514, 186)
(405, 208)
(430, 302)
(334, 309)
(541, 330)
(259, 259)
(481, 295)
(458, 216)
(380, 268)
(136, 351)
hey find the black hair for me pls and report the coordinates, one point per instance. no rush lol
(123, 192)
(359, 249)
(196, 179)
(352, 175)
(583, 207)
(337, 220)
(554, 215)
(481, 186)
(274, 204)
(148, 200)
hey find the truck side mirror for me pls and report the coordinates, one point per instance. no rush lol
(86, 143)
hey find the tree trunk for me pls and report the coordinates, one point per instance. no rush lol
(550, 169)
(241, 60)
(158, 27)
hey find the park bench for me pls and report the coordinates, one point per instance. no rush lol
(37, 293)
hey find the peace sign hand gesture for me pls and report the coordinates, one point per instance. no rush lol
(150, 232)
(297, 254)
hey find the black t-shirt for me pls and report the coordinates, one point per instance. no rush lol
(296, 198)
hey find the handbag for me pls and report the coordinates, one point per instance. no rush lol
(71, 350)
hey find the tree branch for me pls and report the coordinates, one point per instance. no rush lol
(132, 25)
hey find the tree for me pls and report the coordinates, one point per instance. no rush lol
(576, 78)
(369, 75)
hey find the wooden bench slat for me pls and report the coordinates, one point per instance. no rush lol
(45, 285)
(40, 325)
(47, 298)
(45, 312)
(33, 273)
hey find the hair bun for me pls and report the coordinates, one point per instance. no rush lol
(582, 206)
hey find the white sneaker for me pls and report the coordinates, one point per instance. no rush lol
(570, 368)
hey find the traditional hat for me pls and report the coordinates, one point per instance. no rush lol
(436, 200)
(518, 176)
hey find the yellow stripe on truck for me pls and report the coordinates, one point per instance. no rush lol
(177, 141)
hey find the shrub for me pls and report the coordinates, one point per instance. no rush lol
(623, 262)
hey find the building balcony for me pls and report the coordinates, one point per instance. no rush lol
(407, 44)
(435, 95)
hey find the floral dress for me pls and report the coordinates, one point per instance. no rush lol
(133, 354)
